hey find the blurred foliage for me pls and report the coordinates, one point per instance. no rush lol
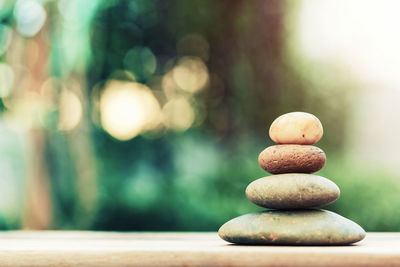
(150, 115)
(368, 193)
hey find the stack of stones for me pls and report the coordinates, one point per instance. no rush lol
(292, 193)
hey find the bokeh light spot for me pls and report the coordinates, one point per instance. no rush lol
(169, 85)
(28, 111)
(141, 62)
(128, 109)
(5, 38)
(30, 16)
(70, 11)
(6, 79)
(193, 45)
(178, 114)
(122, 75)
(70, 110)
(190, 74)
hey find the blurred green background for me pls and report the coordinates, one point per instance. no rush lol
(150, 114)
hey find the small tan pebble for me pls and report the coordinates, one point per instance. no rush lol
(292, 158)
(296, 128)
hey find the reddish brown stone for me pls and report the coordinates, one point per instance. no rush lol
(292, 159)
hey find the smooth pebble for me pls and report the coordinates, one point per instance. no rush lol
(296, 128)
(292, 191)
(292, 158)
(302, 227)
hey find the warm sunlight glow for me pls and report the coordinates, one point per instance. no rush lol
(361, 38)
(361, 34)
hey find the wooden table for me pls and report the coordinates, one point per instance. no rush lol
(52, 248)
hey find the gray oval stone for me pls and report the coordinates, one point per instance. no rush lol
(292, 191)
(296, 227)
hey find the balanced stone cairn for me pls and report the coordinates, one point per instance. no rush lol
(292, 193)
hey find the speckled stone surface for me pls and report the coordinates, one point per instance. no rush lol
(301, 227)
(292, 191)
(292, 158)
(296, 128)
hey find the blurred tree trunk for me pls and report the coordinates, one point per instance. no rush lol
(38, 207)
(78, 141)
(82, 153)
(44, 196)
(248, 54)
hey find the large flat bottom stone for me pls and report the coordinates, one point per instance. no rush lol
(295, 227)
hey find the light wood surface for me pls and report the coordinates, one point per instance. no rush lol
(53, 248)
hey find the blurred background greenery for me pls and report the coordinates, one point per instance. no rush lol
(150, 114)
